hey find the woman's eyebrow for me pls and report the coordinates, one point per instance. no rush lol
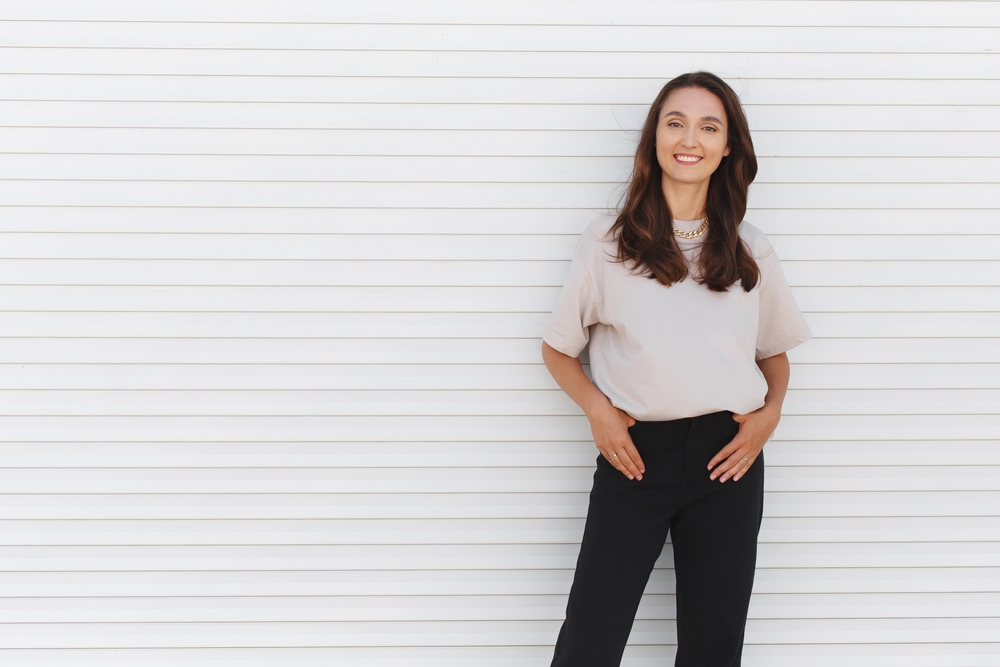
(681, 114)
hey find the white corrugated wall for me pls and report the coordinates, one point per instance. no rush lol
(272, 283)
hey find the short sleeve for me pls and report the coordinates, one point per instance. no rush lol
(782, 325)
(577, 309)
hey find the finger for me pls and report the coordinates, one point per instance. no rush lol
(613, 458)
(734, 473)
(735, 464)
(622, 461)
(730, 466)
(731, 460)
(725, 452)
(631, 470)
(746, 467)
(629, 419)
(609, 455)
(633, 455)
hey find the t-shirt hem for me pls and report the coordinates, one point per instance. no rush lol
(561, 346)
(784, 345)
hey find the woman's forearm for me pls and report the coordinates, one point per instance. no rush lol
(568, 373)
(776, 371)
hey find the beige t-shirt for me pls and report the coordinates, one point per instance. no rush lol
(662, 353)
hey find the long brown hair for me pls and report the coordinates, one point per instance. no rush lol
(644, 228)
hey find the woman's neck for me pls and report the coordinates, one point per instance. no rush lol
(686, 201)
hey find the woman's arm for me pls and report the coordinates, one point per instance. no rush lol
(608, 424)
(757, 426)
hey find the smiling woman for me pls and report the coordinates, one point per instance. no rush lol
(672, 140)
(688, 317)
(675, 163)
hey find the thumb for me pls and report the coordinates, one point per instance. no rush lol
(740, 418)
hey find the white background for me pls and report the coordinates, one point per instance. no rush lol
(272, 283)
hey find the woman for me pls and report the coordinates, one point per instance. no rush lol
(688, 317)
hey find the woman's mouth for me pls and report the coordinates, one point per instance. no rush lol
(687, 159)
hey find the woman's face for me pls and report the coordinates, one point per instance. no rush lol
(691, 136)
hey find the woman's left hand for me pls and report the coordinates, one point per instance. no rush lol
(755, 428)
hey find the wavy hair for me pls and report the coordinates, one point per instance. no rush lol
(644, 229)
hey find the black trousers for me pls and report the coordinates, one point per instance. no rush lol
(713, 527)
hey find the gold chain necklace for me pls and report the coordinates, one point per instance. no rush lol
(695, 233)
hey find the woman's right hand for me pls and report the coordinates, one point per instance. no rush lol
(609, 425)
